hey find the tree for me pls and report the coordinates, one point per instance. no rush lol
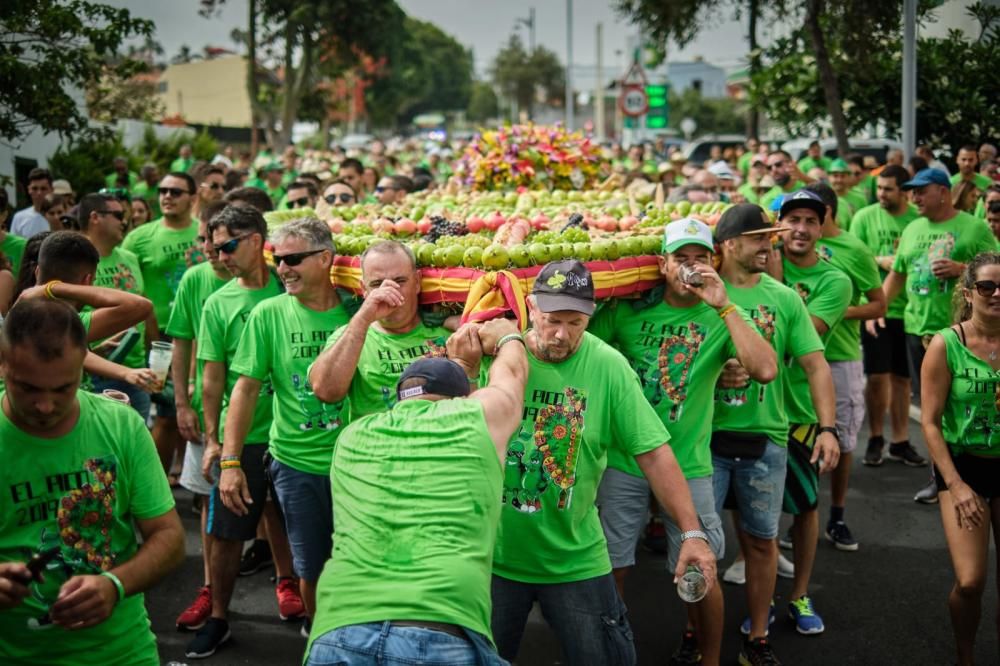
(712, 116)
(430, 71)
(111, 97)
(483, 104)
(520, 75)
(51, 48)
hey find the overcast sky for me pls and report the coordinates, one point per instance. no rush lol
(482, 25)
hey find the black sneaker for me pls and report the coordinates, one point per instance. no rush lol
(758, 652)
(840, 535)
(928, 494)
(208, 639)
(873, 454)
(256, 558)
(688, 652)
(905, 453)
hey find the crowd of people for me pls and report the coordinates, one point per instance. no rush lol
(418, 485)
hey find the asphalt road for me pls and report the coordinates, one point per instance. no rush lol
(884, 604)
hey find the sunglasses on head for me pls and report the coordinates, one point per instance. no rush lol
(119, 193)
(230, 245)
(986, 288)
(295, 258)
(172, 191)
(117, 214)
(298, 203)
(343, 196)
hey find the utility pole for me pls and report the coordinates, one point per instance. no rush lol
(909, 96)
(530, 24)
(599, 88)
(570, 121)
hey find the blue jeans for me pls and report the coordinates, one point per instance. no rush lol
(138, 398)
(383, 643)
(308, 509)
(587, 616)
(757, 485)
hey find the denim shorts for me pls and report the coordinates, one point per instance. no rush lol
(757, 487)
(137, 398)
(623, 503)
(308, 509)
(587, 616)
(386, 644)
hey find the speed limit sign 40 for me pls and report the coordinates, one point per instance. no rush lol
(634, 101)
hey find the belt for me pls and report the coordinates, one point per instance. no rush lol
(450, 629)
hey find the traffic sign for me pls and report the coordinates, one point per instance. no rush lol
(634, 101)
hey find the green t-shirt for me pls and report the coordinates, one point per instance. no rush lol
(182, 164)
(857, 262)
(151, 195)
(111, 180)
(413, 542)
(970, 421)
(749, 193)
(928, 308)
(781, 317)
(777, 191)
(857, 197)
(574, 411)
(279, 343)
(222, 322)
(383, 358)
(743, 164)
(678, 354)
(164, 254)
(13, 248)
(880, 231)
(808, 162)
(845, 211)
(979, 180)
(79, 493)
(826, 292)
(120, 270)
(185, 318)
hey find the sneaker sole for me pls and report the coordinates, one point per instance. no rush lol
(908, 463)
(290, 618)
(205, 655)
(190, 627)
(925, 500)
(257, 569)
(805, 632)
(786, 574)
(873, 463)
(842, 546)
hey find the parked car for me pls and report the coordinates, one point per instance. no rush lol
(698, 150)
(877, 148)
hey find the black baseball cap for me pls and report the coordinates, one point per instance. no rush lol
(803, 199)
(441, 376)
(743, 220)
(564, 285)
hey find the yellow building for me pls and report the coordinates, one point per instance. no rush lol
(207, 92)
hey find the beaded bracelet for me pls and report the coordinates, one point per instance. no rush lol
(726, 311)
(505, 339)
(118, 584)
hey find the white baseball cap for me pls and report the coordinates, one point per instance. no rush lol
(685, 232)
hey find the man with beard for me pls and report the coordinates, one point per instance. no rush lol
(786, 175)
(967, 161)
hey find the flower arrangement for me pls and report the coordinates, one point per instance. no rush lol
(531, 157)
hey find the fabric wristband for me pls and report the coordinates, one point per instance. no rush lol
(48, 289)
(230, 464)
(505, 339)
(118, 585)
(229, 458)
(726, 311)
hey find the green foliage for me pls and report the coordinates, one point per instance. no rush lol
(679, 20)
(48, 49)
(164, 151)
(112, 97)
(430, 71)
(713, 116)
(483, 104)
(956, 80)
(85, 161)
(520, 74)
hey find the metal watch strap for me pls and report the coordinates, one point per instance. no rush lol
(694, 534)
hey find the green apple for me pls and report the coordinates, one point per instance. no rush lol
(581, 251)
(440, 257)
(495, 257)
(473, 257)
(540, 253)
(425, 254)
(519, 256)
(684, 208)
(651, 244)
(454, 255)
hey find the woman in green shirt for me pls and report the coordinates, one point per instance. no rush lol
(960, 399)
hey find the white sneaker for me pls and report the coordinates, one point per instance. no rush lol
(785, 568)
(736, 573)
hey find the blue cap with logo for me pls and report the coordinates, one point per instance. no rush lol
(926, 177)
(803, 199)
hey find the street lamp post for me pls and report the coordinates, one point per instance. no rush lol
(570, 121)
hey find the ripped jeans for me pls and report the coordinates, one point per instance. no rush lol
(587, 616)
(757, 485)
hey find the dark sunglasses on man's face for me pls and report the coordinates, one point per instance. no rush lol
(172, 191)
(230, 245)
(295, 258)
(117, 214)
(212, 186)
(343, 196)
(987, 288)
(298, 203)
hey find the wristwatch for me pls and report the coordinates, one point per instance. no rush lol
(694, 534)
(830, 429)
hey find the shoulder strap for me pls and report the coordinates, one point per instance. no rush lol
(959, 332)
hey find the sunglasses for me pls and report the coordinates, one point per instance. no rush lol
(298, 203)
(295, 258)
(212, 186)
(119, 193)
(230, 245)
(343, 196)
(117, 214)
(172, 191)
(987, 288)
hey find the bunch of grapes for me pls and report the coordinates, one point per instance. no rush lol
(442, 227)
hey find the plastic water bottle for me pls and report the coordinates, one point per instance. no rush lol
(692, 586)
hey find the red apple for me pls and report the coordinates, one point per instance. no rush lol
(406, 226)
(494, 221)
(475, 224)
(424, 225)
